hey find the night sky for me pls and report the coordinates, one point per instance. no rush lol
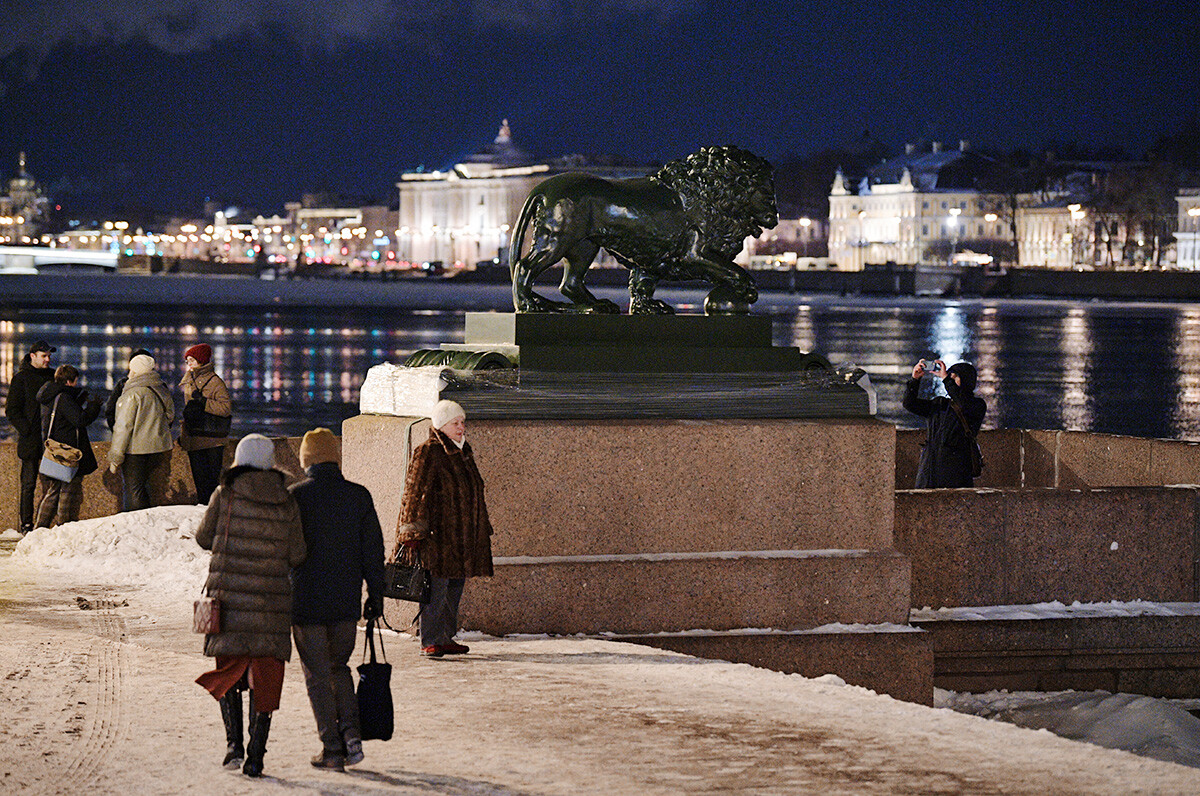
(166, 103)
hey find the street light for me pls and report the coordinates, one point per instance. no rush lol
(952, 223)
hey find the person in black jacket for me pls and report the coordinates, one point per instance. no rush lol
(345, 547)
(23, 411)
(72, 410)
(946, 453)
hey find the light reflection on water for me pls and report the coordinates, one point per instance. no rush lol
(1088, 366)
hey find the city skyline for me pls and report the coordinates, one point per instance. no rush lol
(164, 105)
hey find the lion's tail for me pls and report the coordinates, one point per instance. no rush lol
(535, 203)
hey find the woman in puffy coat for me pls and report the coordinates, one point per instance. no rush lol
(206, 451)
(72, 410)
(946, 455)
(252, 525)
(444, 517)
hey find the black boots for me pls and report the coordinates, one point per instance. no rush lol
(260, 726)
(231, 714)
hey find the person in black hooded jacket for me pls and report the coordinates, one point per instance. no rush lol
(946, 454)
(71, 409)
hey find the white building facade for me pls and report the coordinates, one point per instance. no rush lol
(464, 215)
(906, 212)
(1187, 236)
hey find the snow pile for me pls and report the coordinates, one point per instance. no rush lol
(1054, 610)
(154, 548)
(1139, 724)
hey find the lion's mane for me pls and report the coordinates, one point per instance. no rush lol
(713, 185)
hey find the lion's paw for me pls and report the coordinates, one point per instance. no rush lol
(650, 306)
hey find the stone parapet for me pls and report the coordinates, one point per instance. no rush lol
(972, 547)
(1153, 655)
(856, 657)
(726, 591)
(558, 488)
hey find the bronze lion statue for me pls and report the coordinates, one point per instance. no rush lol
(686, 222)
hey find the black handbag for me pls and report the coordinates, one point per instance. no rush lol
(405, 579)
(376, 715)
(200, 423)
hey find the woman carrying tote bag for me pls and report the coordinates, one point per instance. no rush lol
(67, 411)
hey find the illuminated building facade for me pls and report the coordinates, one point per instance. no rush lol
(23, 210)
(1187, 236)
(916, 209)
(463, 216)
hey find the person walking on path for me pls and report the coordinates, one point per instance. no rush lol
(142, 435)
(67, 411)
(110, 406)
(444, 518)
(946, 454)
(25, 414)
(345, 548)
(204, 394)
(252, 526)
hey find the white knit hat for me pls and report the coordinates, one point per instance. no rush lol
(445, 411)
(142, 363)
(256, 451)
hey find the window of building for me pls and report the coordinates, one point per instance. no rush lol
(924, 229)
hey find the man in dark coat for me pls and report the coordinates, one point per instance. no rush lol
(345, 548)
(67, 411)
(25, 413)
(946, 454)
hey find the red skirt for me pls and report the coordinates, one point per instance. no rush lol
(264, 677)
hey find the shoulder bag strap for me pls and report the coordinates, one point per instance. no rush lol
(53, 412)
(962, 419)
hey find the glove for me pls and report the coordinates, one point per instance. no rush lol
(373, 607)
(112, 468)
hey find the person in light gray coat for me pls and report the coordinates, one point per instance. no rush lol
(141, 440)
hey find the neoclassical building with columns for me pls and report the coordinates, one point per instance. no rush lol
(464, 215)
(917, 208)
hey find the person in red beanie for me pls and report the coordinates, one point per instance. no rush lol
(207, 411)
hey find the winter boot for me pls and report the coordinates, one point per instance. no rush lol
(231, 713)
(256, 747)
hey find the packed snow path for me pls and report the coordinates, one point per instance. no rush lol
(96, 696)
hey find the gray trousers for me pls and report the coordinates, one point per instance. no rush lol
(324, 651)
(439, 616)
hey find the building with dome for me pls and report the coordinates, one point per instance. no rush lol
(463, 215)
(23, 209)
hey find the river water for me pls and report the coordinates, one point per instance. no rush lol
(1122, 368)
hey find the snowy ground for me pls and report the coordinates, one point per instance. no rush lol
(96, 696)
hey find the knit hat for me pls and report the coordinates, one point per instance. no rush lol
(445, 411)
(256, 451)
(966, 375)
(319, 446)
(201, 352)
(142, 363)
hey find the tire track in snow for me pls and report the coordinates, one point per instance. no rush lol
(108, 658)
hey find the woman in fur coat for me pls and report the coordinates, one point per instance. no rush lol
(252, 525)
(444, 518)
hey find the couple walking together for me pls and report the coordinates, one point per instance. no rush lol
(290, 563)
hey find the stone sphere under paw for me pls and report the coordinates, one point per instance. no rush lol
(723, 300)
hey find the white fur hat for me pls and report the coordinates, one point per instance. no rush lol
(445, 411)
(256, 451)
(142, 363)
